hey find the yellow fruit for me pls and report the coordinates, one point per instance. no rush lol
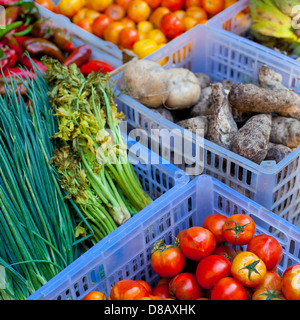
(157, 35)
(145, 26)
(143, 48)
(70, 7)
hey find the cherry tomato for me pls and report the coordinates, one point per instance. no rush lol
(267, 248)
(215, 222)
(211, 269)
(138, 10)
(267, 294)
(146, 285)
(213, 6)
(100, 24)
(48, 4)
(239, 229)
(228, 289)
(69, 8)
(198, 14)
(128, 37)
(144, 47)
(157, 35)
(229, 3)
(180, 14)
(291, 282)
(128, 23)
(248, 269)
(86, 24)
(128, 290)
(115, 11)
(123, 3)
(100, 5)
(112, 32)
(184, 286)
(172, 5)
(171, 26)
(92, 14)
(94, 295)
(226, 252)
(156, 16)
(271, 280)
(192, 3)
(197, 243)
(167, 260)
(161, 290)
(153, 3)
(189, 23)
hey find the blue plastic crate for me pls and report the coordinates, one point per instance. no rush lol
(158, 179)
(223, 55)
(127, 254)
(228, 20)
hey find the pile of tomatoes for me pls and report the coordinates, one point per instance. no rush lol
(142, 26)
(202, 264)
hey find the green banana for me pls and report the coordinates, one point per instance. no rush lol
(286, 6)
(273, 30)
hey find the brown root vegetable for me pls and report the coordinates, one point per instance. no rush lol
(146, 82)
(252, 140)
(197, 125)
(184, 89)
(203, 79)
(285, 131)
(277, 152)
(202, 107)
(269, 79)
(251, 98)
(221, 125)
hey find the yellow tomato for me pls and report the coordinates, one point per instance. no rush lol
(79, 15)
(145, 26)
(92, 14)
(189, 22)
(143, 48)
(100, 5)
(138, 10)
(142, 35)
(70, 7)
(112, 31)
(179, 14)
(157, 35)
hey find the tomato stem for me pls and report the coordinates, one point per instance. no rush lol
(238, 228)
(251, 268)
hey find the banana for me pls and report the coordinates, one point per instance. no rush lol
(288, 6)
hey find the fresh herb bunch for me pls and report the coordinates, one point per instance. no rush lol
(103, 179)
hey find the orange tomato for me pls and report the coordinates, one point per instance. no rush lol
(86, 24)
(189, 22)
(192, 3)
(48, 4)
(79, 15)
(99, 25)
(142, 35)
(69, 8)
(146, 285)
(128, 37)
(128, 23)
(138, 10)
(94, 295)
(153, 3)
(128, 290)
(179, 14)
(157, 14)
(202, 22)
(171, 26)
(157, 35)
(271, 280)
(143, 48)
(145, 26)
(229, 3)
(267, 294)
(115, 12)
(196, 13)
(172, 5)
(123, 3)
(100, 5)
(92, 14)
(213, 6)
(112, 32)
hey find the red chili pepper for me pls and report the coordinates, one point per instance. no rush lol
(96, 65)
(21, 39)
(8, 58)
(3, 42)
(22, 73)
(79, 56)
(18, 50)
(69, 47)
(26, 62)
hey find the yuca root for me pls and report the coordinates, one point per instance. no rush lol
(285, 131)
(277, 152)
(269, 79)
(252, 140)
(251, 98)
(221, 125)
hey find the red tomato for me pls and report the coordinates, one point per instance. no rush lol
(226, 252)
(197, 243)
(167, 260)
(153, 3)
(179, 236)
(163, 281)
(267, 294)
(171, 26)
(161, 290)
(115, 12)
(100, 24)
(211, 269)
(185, 287)
(128, 37)
(94, 295)
(291, 282)
(228, 289)
(215, 223)
(128, 290)
(172, 5)
(271, 280)
(146, 285)
(267, 248)
(192, 3)
(239, 229)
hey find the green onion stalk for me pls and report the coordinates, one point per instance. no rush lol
(37, 236)
(89, 126)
